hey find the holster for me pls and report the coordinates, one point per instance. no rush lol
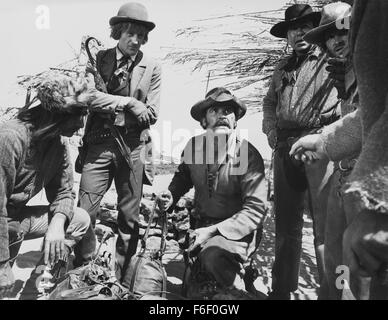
(80, 161)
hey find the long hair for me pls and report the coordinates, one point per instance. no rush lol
(118, 28)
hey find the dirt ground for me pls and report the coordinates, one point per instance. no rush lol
(28, 266)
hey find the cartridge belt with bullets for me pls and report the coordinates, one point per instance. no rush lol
(98, 136)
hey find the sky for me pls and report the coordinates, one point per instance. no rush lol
(32, 44)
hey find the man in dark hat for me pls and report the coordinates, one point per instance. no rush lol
(115, 151)
(34, 155)
(301, 98)
(227, 174)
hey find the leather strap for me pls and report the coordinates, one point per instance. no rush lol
(146, 234)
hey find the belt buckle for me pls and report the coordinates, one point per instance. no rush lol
(341, 167)
(349, 166)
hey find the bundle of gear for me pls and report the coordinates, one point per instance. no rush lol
(97, 280)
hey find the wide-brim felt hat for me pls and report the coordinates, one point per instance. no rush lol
(333, 16)
(295, 14)
(221, 97)
(133, 12)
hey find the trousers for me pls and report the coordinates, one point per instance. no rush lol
(224, 260)
(34, 221)
(290, 203)
(335, 228)
(103, 164)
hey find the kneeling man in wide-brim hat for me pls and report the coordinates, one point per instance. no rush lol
(227, 174)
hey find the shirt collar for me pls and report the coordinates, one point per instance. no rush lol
(292, 63)
(232, 142)
(314, 53)
(120, 55)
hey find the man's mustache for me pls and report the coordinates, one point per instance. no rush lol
(222, 123)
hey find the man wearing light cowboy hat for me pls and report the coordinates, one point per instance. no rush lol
(332, 36)
(35, 155)
(115, 151)
(301, 99)
(333, 29)
(227, 174)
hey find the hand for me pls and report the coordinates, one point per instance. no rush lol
(54, 245)
(144, 119)
(7, 280)
(164, 200)
(139, 110)
(337, 68)
(201, 235)
(145, 135)
(308, 149)
(272, 138)
(365, 244)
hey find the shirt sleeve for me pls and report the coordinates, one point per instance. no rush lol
(59, 191)
(181, 182)
(343, 138)
(109, 103)
(11, 153)
(253, 192)
(270, 103)
(104, 102)
(153, 96)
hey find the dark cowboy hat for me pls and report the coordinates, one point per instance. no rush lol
(294, 14)
(221, 97)
(133, 12)
(333, 15)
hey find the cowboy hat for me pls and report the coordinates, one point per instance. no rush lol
(332, 15)
(221, 97)
(294, 14)
(133, 12)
